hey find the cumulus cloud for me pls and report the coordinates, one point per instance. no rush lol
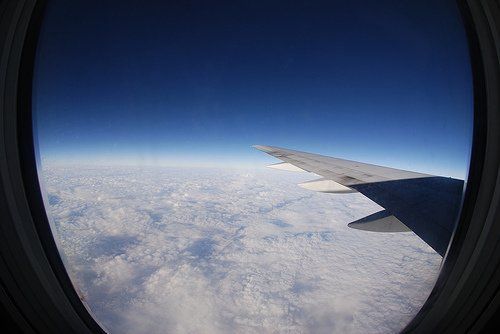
(218, 250)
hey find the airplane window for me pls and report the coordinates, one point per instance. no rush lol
(155, 123)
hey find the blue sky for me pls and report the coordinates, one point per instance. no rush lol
(197, 84)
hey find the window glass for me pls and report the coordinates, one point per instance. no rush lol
(167, 218)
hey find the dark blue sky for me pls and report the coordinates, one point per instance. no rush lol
(386, 82)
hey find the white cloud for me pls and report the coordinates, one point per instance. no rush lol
(218, 250)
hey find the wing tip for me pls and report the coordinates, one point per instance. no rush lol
(263, 148)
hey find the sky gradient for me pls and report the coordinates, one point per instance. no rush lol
(196, 84)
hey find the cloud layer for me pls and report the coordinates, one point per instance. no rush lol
(165, 250)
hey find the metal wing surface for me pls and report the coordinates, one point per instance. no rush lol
(425, 204)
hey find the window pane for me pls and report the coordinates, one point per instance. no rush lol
(166, 217)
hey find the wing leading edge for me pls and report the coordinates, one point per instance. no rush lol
(426, 204)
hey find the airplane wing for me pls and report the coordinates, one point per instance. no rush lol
(425, 204)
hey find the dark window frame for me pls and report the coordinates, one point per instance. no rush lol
(34, 286)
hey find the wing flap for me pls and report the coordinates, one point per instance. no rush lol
(326, 186)
(286, 166)
(382, 221)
